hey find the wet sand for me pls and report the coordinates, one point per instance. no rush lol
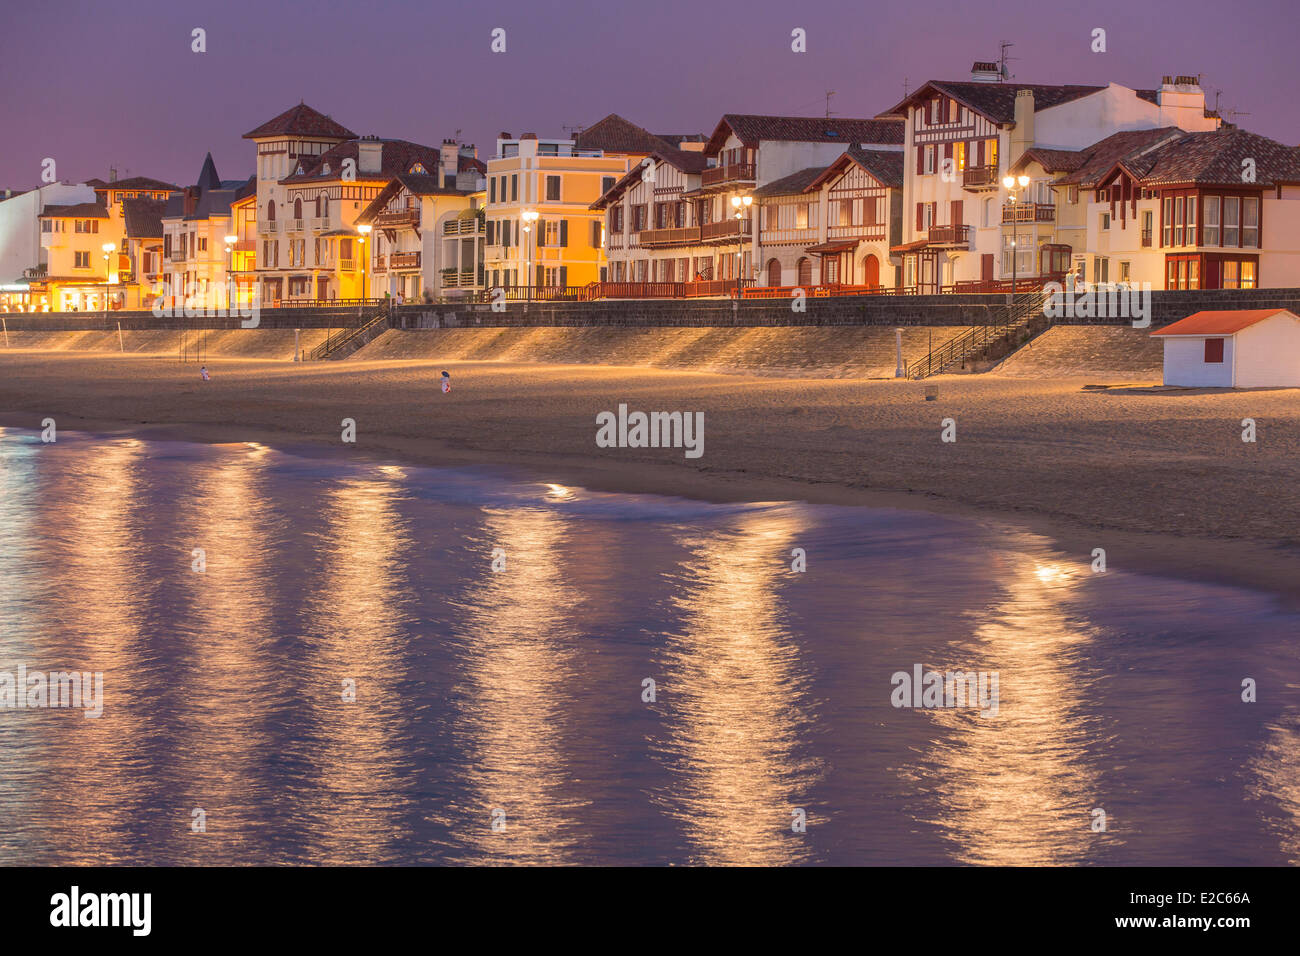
(1160, 479)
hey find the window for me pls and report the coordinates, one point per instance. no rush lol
(81, 260)
(1214, 351)
(1250, 223)
(1229, 273)
(554, 232)
(270, 210)
(1105, 221)
(1231, 220)
(1125, 271)
(1248, 275)
(297, 209)
(1178, 220)
(492, 189)
(514, 187)
(616, 220)
(606, 184)
(801, 216)
(1192, 203)
(1167, 230)
(552, 188)
(959, 155)
(203, 244)
(1210, 229)
(928, 168)
(1194, 274)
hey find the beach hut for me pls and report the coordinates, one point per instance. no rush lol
(1247, 348)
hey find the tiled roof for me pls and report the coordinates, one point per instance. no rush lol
(143, 218)
(81, 210)
(614, 134)
(301, 120)
(1221, 323)
(466, 163)
(789, 185)
(1052, 160)
(1218, 158)
(751, 129)
(416, 184)
(996, 101)
(1125, 147)
(396, 157)
(884, 165)
(691, 163)
(135, 183)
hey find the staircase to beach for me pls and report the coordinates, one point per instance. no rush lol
(1024, 320)
(347, 341)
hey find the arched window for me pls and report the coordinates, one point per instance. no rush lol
(297, 208)
(988, 212)
(805, 272)
(325, 205)
(318, 207)
(773, 272)
(270, 210)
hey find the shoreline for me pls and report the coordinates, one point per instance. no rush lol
(1259, 564)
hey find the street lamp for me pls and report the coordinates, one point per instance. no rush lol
(230, 265)
(109, 248)
(1011, 182)
(365, 231)
(529, 216)
(741, 204)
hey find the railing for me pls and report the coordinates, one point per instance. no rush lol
(347, 265)
(1146, 238)
(451, 279)
(320, 222)
(404, 260)
(294, 225)
(979, 176)
(324, 303)
(404, 217)
(681, 236)
(949, 235)
(725, 174)
(380, 263)
(1022, 309)
(268, 225)
(349, 340)
(822, 290)
(1020, 284)
(724, 229)
(462, 227)
(1028, 212)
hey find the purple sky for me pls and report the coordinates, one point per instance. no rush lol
(95, 84)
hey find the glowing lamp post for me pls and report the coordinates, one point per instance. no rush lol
(365, 231)
(741, 204)
(230, 265)
(1012, 182)
(529, 216)
(109, 248)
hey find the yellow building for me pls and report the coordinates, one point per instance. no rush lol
(87, 253)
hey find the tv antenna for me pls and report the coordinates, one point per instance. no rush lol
(1003, 60)
(829, 94)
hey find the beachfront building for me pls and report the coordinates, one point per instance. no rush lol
(428, 231)
(24, 261)
(683, 226)
(241, 274)
(1177, 210)
(1251, 348)
(84, 246)
(542, 227)
(963, 137)
(141, 260)
(195, 223)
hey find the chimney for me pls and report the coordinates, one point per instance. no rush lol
(191, 200)
(370, 155)
(985, 71)
(1022, 137)
(528, 145)
(1182, 104)
(450, 161)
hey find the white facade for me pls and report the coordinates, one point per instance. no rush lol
(1265, 354)
(20, 231)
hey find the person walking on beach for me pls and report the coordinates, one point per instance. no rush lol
(203, 372)
(446, 383)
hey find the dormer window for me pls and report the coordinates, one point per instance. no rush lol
(325, 170)
(418, 170)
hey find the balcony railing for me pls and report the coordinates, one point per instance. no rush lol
(1028, 212)
(979, 177)
(949, 235)
(268, 225)
(403, 217)
(404, 260)
(347, 265)
(321, 222)
(462, 227)
(733, 228)
(294, 225)
(681, 236)
(736, 172)
(451, 279)
(1146, 238)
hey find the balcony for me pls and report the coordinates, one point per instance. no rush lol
(268, 225)
(949, 236)
(393, 220)
(682, 236)
(980, 177)
(294, 225)
(347, 265)
(735, 173)
(1146, 238)
(462, 227)
(451, 279)
(322, 223)
(727, 229)
(1028, 212)
(404, 260)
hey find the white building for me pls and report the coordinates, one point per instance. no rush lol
(1252, 348)
(962, 138)
(22, 256)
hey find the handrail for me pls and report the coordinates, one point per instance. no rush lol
(1021, 309)
(332, 344)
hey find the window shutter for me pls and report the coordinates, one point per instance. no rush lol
(564, 232)
(920, 216)
(957, 210)
(564, 275)
(539, 227)
(491, 232)
(947, 150)
(920, 160)
(541, 275)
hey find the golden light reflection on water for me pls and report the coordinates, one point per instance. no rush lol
(1276, 771)
(229, 672)
(89, 509)
(1018, 788)
(519, 669)
(358, 634)
(735, 692)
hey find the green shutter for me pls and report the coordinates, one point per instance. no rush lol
(564, 232)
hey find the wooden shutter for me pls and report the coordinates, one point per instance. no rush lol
(540, 228)
(491, 231)
(564, 232)
(920, 216)
(541, 275)
(564, 275)
(957, 212)
(920, 160)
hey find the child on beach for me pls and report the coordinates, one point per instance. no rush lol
(203, 372)
(446, 383)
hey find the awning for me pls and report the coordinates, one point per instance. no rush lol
(839, 245)
(910, 246)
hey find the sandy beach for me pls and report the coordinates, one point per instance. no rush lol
(1161, 479)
